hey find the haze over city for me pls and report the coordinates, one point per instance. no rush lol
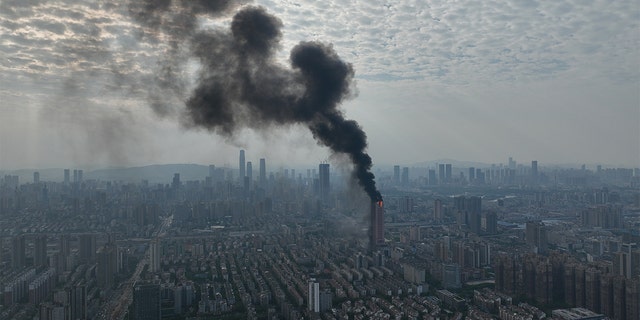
(322, 160)
(554, 82)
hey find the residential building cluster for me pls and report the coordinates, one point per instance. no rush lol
(506, 241)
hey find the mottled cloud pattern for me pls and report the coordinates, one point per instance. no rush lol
(463, 42)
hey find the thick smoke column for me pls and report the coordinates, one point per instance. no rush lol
(241, 85)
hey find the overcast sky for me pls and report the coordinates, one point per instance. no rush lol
(554, 81)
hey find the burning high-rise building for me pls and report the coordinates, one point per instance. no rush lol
(376, 226)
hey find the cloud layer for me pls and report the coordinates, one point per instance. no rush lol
(66, 61)
(464, 42)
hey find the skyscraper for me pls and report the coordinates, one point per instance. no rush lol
(176, 181)
(107, 258)
(441, 177)
(447, 172)
(66, 176)
(405, 176)
(40, 254)
(250, 171)
(432, 177)
(491, 222)
(87, 247)
(154, 256)
(77, 300)
(469, 211)
(36, 177)
(18, 259)
(536, 236)
(396, 174)
(324, 184)
(376, 226)
(534, 171)
(263, 172)
(437, 210)
(241, 166)
(314, 295)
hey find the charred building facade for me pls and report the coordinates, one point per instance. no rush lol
(376, 226)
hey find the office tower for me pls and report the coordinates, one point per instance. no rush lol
(66, 176)
(36, 177)
(405, 176)
(107, 258)
(376, 227)
(534, 171)
(146, 302)
(250, 171)
(154, 256)
(441, 177)
(75, 175)
(437, 210)
(536, 236)
(480, 176)
(314, 295)
(396, 174)
(512, 164)
(64, 250)
(472, 174)
(447, 172)
(324, 185)
(432, 177)
(212, 171)
(87, 247)
(263, 172)
(18, 258)
(241, 166)
(491, 222)
(80, 173)
(40, 254)
(469, 210)
(473, 206)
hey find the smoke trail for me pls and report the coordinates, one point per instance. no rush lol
(241, 85)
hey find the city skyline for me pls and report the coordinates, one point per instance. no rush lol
(555, 83)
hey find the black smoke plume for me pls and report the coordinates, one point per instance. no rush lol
(241, 85)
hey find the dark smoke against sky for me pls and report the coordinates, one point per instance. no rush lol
(446, 70)
(240, 83)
